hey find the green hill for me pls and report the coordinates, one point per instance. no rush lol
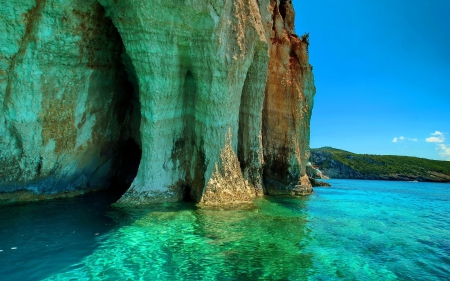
(337, 163)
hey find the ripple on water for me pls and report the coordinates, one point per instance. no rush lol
(356, 230)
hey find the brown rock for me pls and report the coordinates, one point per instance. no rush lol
(287, 106)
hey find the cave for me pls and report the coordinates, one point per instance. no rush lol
(189, 96)
(128, 149)
(249, 113)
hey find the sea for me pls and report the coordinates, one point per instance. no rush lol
(354, 230)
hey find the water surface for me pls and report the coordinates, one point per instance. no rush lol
(356, 230)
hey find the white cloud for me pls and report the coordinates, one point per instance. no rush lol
(402, 138)
(444, 151)
(436, 137)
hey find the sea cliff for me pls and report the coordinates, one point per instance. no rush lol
(201, 100)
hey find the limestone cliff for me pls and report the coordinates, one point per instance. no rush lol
(89, 90)
(288, 105)
(201, 71)
(62, 90)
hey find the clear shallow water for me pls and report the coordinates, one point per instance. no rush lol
(356, 230)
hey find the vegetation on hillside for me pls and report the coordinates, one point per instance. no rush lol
(367, 164)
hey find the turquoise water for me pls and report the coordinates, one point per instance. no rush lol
(356, 230)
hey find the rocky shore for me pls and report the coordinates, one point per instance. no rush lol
(340, 164)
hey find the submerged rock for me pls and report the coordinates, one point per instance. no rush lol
(164, 97)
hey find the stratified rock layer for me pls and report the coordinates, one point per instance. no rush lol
(85, 86)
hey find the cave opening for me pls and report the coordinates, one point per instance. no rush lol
(249, 148)
(242, 148)
(283, 7)
(190, 155)
(128, 146)
(246, 116)
(187, 196)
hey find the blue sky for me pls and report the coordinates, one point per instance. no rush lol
(382, 71)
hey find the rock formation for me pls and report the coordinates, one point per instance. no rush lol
(287, 106)
(314, 174)
(176, 99)
(65, 98)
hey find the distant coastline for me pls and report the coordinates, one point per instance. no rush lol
(341, 164)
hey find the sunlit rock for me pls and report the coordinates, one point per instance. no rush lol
(174, 99)
(201, 68)
(287, 107)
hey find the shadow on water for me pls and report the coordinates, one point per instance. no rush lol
(38, 239)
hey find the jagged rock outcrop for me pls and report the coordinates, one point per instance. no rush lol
(314, 174)
(227, 183)
(89, 89)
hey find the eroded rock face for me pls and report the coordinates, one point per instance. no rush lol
(288, 105)
(182, 81)
(201, 68)
(227, 183)
(64, 97)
